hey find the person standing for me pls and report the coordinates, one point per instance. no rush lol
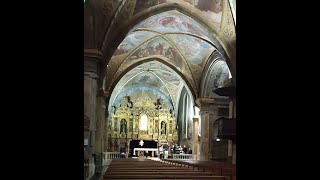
(123, 152)
(161, 151)
(185, 150)
(166, 149)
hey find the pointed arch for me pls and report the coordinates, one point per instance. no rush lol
(149, 59)
(111, 43)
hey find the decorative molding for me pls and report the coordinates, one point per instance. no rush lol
(94, 53)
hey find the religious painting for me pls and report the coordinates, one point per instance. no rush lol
(168, 22)
(220, 74)
(210, 9)
(172, 79)
(132, 40)
(194, 49)
(145, 78)
(161, 47)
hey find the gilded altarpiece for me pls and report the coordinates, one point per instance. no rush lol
(126, 123)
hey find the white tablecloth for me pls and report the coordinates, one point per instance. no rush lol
(145, 149)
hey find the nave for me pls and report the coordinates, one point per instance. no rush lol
(143, 168)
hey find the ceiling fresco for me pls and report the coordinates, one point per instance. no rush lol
(194, 49)
(171, 22)
(152, 76)
(219, 75)
(210, 9)
(133, 40)
(170, 37)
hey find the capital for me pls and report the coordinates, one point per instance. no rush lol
(92, 60)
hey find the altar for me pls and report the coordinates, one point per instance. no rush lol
(146, 149)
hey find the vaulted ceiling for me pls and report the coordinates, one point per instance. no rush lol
(162, 53)
(171, 36)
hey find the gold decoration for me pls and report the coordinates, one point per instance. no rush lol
(125, 122)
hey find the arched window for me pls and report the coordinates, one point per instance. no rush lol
(143, 122)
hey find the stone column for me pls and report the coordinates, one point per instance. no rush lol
(209, 112)
(195, 142)
(89, 109)
(91, 66)
(106, 125)
(100, 125)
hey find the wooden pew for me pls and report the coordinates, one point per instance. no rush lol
(218, 168)
(148, 169)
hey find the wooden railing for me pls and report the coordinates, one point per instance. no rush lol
(183, 156)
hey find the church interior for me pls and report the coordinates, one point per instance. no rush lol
(159, 89)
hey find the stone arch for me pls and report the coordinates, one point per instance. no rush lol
(161, 60)
(209, 69)
(110, 44)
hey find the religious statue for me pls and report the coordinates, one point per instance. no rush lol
(123, 126)
(113, 110)
(158, 104)
(163, 127)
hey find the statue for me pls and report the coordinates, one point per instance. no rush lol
(163, 127)
(113, 109)
(123, 126)
(158, 104)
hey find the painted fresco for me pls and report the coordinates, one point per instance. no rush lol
(210, 9)
(152, 74)
(220, 74)
(193, 49)
(167, 22)
(132, 40)
(159, 47)
(184, 24)
(146, 78)
(169, 77)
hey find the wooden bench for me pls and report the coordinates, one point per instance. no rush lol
(218, 168)
(148, 169)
